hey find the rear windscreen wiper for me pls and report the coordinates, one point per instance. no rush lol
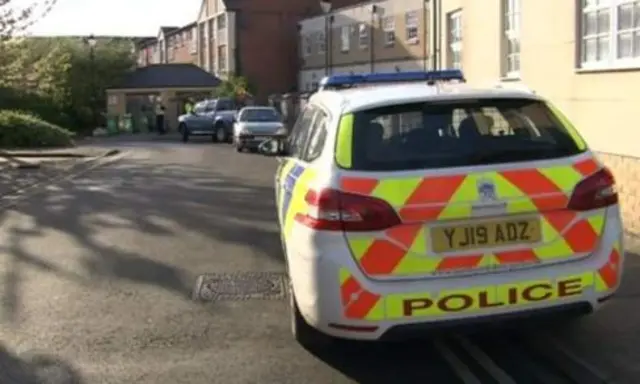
(518, 154)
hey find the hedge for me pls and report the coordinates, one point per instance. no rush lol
(20, 129)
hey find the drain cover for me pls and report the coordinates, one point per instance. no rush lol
(240, 286)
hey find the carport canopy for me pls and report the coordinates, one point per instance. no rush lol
(169, 81)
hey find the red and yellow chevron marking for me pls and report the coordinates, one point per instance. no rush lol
(357, 302)
(404, 250)
(360, 304)
(608, 276)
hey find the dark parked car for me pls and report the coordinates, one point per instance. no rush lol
(209, 118)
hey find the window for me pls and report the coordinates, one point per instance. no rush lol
(211, 106)
(222, 22)
(224, 105)
(200, 107)
(455, 39)
(363, 36)
(610, 33)
(222, 58)
(511, 38)
(411, 22)
(345, 38)
(306, 46)
(317, 137)
(456, 134)
(322, 42)
(300, 132)
(259, 115)
(389, 29)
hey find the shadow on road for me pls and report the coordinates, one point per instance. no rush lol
(398, 362)
(142, 199)
(35, 369)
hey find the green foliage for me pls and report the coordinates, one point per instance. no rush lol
(24, 130)
(232, 87)
(60, 80)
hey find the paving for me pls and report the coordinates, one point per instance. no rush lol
(165, 267)
(22, 169)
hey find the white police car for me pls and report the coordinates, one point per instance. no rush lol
(412, 199)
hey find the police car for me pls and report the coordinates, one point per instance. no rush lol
(413, 199)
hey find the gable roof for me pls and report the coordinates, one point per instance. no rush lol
(162, 76)
(181, 29)
(164, 30)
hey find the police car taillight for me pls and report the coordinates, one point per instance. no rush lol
(596, 191)
(333, 210)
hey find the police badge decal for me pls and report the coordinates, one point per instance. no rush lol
(487, 191)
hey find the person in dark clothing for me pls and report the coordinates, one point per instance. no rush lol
(160, 119)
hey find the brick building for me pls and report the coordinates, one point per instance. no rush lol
(172, 45)
(373, 36)
(255, 39)
(582, 55)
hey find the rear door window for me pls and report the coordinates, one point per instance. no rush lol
(317, 137)
(457, 133)
(300, 131)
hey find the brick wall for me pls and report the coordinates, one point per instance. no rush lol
(268, 42)
(627, 173)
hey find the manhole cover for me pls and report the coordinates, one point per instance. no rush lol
(240, 286)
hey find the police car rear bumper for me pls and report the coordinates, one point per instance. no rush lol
(315, 275)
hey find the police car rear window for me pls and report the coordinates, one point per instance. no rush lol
(458, 133)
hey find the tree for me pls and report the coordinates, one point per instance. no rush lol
(233, 87)
(15, 19)
(56, 78)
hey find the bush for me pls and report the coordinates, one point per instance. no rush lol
(20, 129)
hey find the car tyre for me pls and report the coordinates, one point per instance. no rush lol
(185, 134)
(181, 127)
(306, 335)
(219, 133)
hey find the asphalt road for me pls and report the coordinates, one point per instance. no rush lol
(97, 276)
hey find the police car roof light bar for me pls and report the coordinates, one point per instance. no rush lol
(348, 81)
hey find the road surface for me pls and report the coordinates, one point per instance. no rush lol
(97, 276)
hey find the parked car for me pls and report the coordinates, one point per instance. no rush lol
(254, 125)
(209, 118)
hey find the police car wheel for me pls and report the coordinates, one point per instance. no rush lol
(305, 334)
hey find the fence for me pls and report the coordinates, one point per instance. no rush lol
(289, 105)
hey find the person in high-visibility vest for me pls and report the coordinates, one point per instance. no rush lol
(188, 106)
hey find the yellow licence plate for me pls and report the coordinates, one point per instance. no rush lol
(485, 235)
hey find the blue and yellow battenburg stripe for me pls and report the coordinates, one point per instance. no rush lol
(295, 182)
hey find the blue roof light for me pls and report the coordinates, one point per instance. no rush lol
(347, 81)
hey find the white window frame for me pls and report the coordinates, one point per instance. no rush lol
(609, 37)
(322, 42)
(512, 19)
(345, 38)
(412, 25)
(363, 35)
(454, 38)
(306, 45)
(389, 29)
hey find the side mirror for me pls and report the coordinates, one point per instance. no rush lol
(273, 147)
